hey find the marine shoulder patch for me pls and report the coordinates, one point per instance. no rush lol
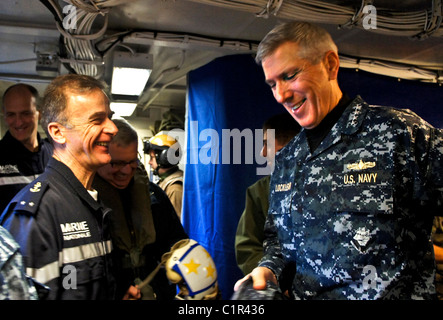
(31, 196)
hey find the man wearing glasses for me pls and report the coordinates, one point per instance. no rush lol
(143, 222)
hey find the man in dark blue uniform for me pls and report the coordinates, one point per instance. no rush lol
(353, 196)
(58, 220)
(23, 153)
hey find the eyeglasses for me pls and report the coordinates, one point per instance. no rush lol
(121, 164)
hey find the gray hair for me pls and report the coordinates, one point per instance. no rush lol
(313, 40)
(126, 133)
(56, 96)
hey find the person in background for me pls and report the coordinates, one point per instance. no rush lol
(58, 219)
(144, 224)
(164, 152)
(23, 153)
(250, 236)
(353, 196)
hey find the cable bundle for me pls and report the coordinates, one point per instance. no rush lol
(84, 51)
(80, 53)
(419, 24)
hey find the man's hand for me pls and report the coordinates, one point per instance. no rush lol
(133, 293)
(259, 277)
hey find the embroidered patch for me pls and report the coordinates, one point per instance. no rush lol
(361, 165)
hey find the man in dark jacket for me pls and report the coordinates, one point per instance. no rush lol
(144, 224)
(57, 220)
(23, 153)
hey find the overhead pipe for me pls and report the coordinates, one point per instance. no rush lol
(164, 72)
(160, 90)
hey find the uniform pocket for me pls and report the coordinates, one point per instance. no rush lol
(362, 209)
(362, 188)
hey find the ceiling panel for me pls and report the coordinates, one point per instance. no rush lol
(27, 28)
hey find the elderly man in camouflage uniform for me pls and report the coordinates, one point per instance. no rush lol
(353, 196)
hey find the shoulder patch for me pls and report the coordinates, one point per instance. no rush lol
(31, 196)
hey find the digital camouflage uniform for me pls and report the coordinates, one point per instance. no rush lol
(356, 215)
(14, 284)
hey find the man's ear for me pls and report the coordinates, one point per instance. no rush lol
(56, 132)
(332, 63)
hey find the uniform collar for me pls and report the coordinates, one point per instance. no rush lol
(348, 124)
(316, 135)
(74, 183)
(167, 173)
(352, 117)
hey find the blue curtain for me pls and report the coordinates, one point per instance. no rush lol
(425, 99)
(228, 93)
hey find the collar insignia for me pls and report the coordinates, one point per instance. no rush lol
(36, 187)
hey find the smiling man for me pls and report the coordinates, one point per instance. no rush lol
(353, 196)
(23, 154)
(144, 224)
(58, 220)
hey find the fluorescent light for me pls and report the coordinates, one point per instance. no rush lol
(123, 109)
(129, 81)
(130, 73)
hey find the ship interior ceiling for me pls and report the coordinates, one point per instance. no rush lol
(40, 39)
